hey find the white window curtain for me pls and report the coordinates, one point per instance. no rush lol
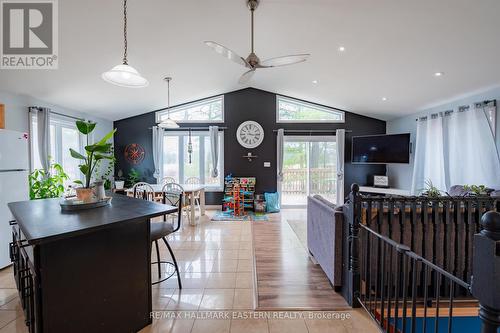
(340, 138)
(279, 162)
(456, 148)
(43, 132)
(213, 132)
(157, 152)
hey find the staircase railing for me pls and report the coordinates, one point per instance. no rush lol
(402, 279)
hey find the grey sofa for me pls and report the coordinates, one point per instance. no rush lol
(324, 236)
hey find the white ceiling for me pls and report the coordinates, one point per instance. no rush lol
(393, 47)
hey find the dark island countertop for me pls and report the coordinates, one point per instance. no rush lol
(43, 221)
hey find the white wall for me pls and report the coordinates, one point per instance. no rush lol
(16, 114)
(400, 176)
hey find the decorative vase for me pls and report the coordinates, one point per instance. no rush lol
(119, 184)
(99, 191)
(84, 194)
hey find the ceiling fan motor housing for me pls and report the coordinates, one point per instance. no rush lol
(253, 60)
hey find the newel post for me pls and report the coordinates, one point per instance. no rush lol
(485, 285)
(354, 245)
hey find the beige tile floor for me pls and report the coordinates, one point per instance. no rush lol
(217, 271)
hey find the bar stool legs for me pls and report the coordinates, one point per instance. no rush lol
(159, 262)
(175, 262)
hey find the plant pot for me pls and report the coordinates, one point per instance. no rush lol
(84, 194)
(119, 184)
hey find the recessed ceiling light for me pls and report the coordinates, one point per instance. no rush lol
(341, 48)
(315, 81)
(384, 99)
(438, 74)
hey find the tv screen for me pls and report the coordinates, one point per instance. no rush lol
(392, 148)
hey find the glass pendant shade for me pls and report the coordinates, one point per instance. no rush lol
(168, 123)
(125, 76)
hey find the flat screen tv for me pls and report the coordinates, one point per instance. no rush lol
(378, 149)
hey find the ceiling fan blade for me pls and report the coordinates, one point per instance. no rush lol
(285, 60)
(246, 76)
(227, 53)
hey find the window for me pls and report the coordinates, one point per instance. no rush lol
(209, 110)
(290, 110)
(63, 136)
(176, 162)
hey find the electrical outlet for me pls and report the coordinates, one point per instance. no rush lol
(267, 164)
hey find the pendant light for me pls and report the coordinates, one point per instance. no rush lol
(125, 75)
(168, 123)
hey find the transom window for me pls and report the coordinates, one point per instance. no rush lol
(289, 110)
(209, 110)
(176, 162)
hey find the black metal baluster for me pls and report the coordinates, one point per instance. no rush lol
(399, 263)
(436, 317)
(450, 312)
(426, 282)
(382, 284)
(468, 239)
(414, 295)
(389, 290)
(405, 291)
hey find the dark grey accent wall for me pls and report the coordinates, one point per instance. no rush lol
(239, 106)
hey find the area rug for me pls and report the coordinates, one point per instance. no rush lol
(299, 227)
(250, 216)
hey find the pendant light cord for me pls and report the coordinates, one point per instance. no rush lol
(125, 62)
(252, 10)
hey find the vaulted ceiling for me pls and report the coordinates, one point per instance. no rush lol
(392, 50)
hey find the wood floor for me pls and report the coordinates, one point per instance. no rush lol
(286, 279)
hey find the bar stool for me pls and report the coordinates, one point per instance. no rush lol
(160, 230)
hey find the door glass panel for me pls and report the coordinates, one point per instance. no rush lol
(171, 157)
(322, 169)
(309, 168)
(192, 168)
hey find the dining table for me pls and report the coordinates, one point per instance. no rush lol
(190, 190)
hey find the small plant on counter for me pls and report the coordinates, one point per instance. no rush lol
(93, 154)
(133, 177)
(44, 185)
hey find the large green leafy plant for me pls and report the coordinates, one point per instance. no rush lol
(44, 185)
(93, 152)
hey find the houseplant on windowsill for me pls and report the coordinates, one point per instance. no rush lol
(44, 185)
(93, 154)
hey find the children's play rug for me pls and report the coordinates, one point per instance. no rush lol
(249, 216)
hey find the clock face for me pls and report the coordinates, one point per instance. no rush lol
(250, 134)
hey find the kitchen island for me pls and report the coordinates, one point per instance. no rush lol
(84, 271)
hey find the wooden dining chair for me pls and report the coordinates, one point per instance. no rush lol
(160, 230)
(144, 191)
(168, 180)
(176, 188)
(196, 195)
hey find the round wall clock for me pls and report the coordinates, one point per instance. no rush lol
(134, 153)
(250, 134)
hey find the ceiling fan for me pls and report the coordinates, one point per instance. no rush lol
(252, 62)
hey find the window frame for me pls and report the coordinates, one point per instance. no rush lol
(312, 105)
(59, 122)
(180, 154)
(160, 114)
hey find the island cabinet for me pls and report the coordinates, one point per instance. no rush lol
(86, 271)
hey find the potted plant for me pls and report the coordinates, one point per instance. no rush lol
(133, 177)
(119, 180)
(93, 154)
(44, 185)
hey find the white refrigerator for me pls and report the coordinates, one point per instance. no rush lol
(14, 168)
